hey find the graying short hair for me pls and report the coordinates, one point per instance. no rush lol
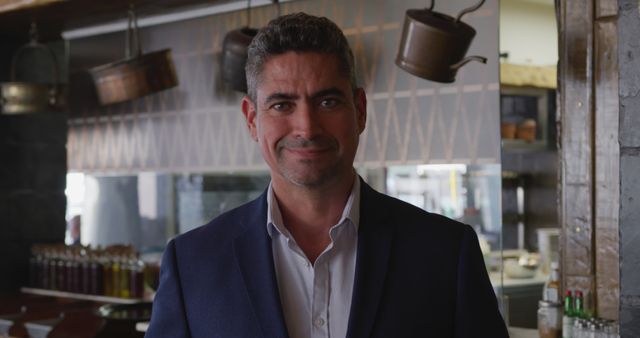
(298, 32)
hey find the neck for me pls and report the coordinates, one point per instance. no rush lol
(309, 213)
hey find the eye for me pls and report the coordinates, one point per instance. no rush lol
(328, 103)
(281, 106)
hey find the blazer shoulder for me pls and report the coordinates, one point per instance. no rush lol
(227, 226)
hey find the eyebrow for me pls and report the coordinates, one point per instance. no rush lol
(280, 96)
(332, 91)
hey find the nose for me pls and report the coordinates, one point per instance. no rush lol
(306, 122)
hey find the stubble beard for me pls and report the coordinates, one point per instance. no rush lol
(309, 173)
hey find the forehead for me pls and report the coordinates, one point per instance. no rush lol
(299, 71)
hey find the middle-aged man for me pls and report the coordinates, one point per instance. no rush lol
(320, 253)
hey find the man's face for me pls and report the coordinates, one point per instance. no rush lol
(307, 119)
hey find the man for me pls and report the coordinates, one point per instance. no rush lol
(320, 253)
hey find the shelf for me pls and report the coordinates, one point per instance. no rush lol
(81, 296)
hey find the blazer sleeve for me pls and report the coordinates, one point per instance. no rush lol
(477, 313)
(168, 316)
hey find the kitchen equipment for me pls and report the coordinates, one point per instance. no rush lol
(138, 74)
(433, 45)
(234, 53)
(508, 130)
(234, 57)
(527, 130)
(548, 246)
(121, 319)
(135, 312)
(549, 319)
(520, 268)
(25, 97)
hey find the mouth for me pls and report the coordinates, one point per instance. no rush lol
(307, 149)
(308, 152)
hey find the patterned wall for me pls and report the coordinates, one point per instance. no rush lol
(199, 126)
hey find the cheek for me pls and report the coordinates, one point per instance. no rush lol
(269, 133)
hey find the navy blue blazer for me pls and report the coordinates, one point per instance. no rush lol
(417, 275)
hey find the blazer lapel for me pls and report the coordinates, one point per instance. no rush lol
(374, 248)
(255, 260)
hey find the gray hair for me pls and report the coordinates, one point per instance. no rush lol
(298, 32)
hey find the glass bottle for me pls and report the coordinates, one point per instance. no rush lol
(115, 276)
(107, 275)
(44, 270)
(69, 270)
(125, 274)
(137, 278)
(61, 271)
(41, 268)
(552, 285)
(579, 305)
(568, 319)
(85, 269)
(97, 280)
(568, 303)
(53, 267)
(549, 319)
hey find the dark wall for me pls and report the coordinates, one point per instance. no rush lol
(33, 166)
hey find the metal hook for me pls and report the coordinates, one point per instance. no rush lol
(248, 13)
(132, 47)
(34, 44)
(277, 8)
(469, 10)
(430, 7)
(33, 33)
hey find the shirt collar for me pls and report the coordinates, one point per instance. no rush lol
(350, 212)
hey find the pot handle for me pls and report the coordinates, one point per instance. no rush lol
(132, 47)
(468, 59)
(277, 8)
(33, 43)
(430, 7)
(469, 10)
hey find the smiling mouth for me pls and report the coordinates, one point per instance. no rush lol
(308, 151)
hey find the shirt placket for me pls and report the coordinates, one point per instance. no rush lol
(320, 300)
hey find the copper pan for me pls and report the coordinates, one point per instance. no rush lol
(433, 45)
(138, 74)
(235, 49)
(18, 97)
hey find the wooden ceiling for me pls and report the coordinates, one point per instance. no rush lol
(55, 16)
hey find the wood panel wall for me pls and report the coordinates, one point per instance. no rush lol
(589, 151)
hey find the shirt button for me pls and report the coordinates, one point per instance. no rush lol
(319, 322)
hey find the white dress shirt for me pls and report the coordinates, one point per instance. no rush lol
(316, 298)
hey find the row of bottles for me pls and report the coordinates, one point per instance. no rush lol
(579, 323)
(115, 271)
(571, 317)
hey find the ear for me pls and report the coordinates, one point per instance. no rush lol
(360, 100)
(250, 114)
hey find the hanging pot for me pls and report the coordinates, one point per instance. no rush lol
(235, 48)
(138, 74)
(26, 97)
(234, 57)
(433, 45)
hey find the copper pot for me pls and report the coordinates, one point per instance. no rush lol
(25, 97)
(234, 57)
(433, 45)
(137, 75)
